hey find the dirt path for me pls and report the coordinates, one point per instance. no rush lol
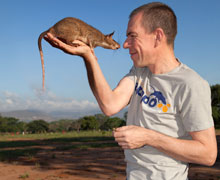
(92, 164)
(54, 162)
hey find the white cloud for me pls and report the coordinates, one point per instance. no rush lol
(9, 101)
(44, 101)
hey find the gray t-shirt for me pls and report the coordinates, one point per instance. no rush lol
(174, 104)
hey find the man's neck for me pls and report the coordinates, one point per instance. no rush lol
(164, 64)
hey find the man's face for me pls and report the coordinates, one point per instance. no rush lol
(140, 43)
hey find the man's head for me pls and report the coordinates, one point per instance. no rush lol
(150, 34)
(158, 15)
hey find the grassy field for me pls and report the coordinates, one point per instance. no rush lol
(61, 136)
(81, 155)
(5, 137)
(76, 155)
(15, 146)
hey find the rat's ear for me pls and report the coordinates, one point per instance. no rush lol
(110, 35)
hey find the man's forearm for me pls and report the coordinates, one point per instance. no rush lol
(98, 83)
(202, 149)
(110, 101)
(193, 151)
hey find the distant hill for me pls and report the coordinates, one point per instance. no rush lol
(30, 115)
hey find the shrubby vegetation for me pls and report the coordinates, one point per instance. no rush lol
(96, 122)
(216, 104)
(10, 124)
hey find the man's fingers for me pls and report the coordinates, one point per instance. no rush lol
(50, 37)
(119, 139)
(119, 132)
(76, 48)
(123, 128)
(54, 41)
(80, 43)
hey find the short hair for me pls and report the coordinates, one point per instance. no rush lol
(158, 15)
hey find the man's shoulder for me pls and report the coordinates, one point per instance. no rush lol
(190, 79)
(189, 75)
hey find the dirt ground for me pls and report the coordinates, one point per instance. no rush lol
(106, 163)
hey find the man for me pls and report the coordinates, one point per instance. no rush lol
(169, 120)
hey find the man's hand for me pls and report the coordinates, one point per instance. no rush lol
(202, 149)
(131, 137)
(79, 48)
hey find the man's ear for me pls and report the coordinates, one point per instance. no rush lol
(159, 36)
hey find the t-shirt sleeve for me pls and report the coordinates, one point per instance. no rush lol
(195, 110)
(132, 74)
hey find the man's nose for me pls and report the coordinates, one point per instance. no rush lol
(126, 45)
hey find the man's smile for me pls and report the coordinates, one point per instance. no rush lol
(133, 53)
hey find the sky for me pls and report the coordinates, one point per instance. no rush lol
(67, 88)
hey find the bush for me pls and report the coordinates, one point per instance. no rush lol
(216, 104)
(38, 126)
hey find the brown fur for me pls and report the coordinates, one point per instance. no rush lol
(70, 29)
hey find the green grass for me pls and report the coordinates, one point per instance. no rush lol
(24, 176)
(6, 137)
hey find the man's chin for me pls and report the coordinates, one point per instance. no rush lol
(137, 63)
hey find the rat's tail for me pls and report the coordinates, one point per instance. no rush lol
(41, 55)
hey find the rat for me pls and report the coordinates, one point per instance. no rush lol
(70, 29)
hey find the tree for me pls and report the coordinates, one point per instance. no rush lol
(3, 125)
(101, 118)
(89, 123)
(22, 126)
(216, 104)
(215, 95)
(9, 124)
(38, 126)
(76, 125)
(113, 122)
(61, 125)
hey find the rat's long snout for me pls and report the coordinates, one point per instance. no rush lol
(117, 45)
(109, 42)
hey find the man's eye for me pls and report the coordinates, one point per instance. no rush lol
(133, 36)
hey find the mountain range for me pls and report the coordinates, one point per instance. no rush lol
(30, 115)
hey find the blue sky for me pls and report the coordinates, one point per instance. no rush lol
(197, 45)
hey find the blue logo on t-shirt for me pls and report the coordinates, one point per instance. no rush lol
(156, 98)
